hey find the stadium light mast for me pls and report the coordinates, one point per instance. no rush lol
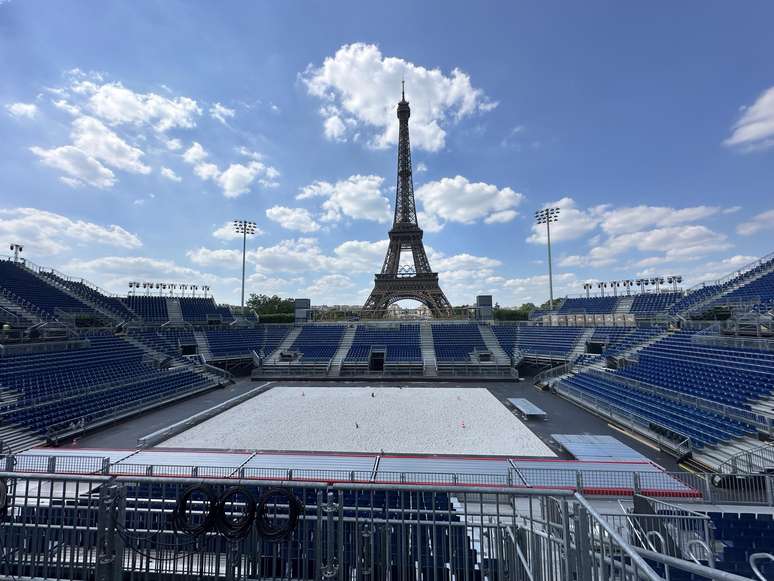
(546, 216)
(244, 228)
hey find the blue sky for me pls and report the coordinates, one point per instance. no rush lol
(132, 132)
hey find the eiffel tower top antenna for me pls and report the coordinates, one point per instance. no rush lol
(403, 90)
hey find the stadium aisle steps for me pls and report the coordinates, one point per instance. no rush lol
(203, 346)
(83, 293)
(427, 346)
(343, 350)
(285, 344)
(501, 357)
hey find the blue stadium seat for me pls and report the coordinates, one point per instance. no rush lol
(401, 342)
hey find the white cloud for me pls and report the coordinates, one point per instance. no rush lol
(573, 222)
(359, 256)
(118, 105)
(755, 128)
(66, 106)
(421, 167)
(221, 113)
(360, 89)
(214, 257)
(297, 255)
(293, 218)
(50, 233)
(237, 178)
(637, 218)
(194, 154)
(674, 243)
(763, 221)
(332, 288)
(459, 200)
(80, 167)
(92, 137)
(170, 175)
(227, 232)
(20, 110)
(173, 144)
(358, 197)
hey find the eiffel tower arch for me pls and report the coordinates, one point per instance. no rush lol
(399, 281)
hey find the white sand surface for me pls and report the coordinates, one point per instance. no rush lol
(365, 419)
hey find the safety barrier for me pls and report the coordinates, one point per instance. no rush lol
(153, 528)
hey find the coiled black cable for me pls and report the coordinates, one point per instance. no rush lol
(266, 529)
(180, 517)
(239, 528)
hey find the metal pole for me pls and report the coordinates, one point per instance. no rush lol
(550, 273)
(244, 248)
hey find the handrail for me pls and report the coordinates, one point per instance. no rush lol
(689, 566)
(733, 465)
(635, 557)
(41, 269)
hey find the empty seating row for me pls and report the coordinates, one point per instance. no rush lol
(151, 309)
(703, 427)
(401, 342)
(591, 305)
(22, 282)
(742, 535)
(456, 342)
(654, 302)
(318, 342)
(263, 339)
(90, 407)
(730, 376)
(537, 340)
(200, 309)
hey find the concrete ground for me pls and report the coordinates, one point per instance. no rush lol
(563, 416)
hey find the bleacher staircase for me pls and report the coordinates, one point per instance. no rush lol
(109, 313)
(203, 345)
(491, 342)
(286, 344)
(624, 305)
(341, 352)
(640, 346)
(429, 361)
(580, 345)
(16, 439)
(25, 317)
(174, 311)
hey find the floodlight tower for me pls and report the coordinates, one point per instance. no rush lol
(546, 216)
(587, 286)
(16, 248)
(244, 228)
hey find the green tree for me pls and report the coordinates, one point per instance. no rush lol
(270, 305)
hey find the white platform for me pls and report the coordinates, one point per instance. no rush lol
(363, 419)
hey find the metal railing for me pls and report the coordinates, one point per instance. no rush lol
(750, 461)
(146, 528)
(733, 275)
(742, 489)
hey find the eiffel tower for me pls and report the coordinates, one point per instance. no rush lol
(417, 281)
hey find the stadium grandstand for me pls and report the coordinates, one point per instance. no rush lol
(687, 373)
